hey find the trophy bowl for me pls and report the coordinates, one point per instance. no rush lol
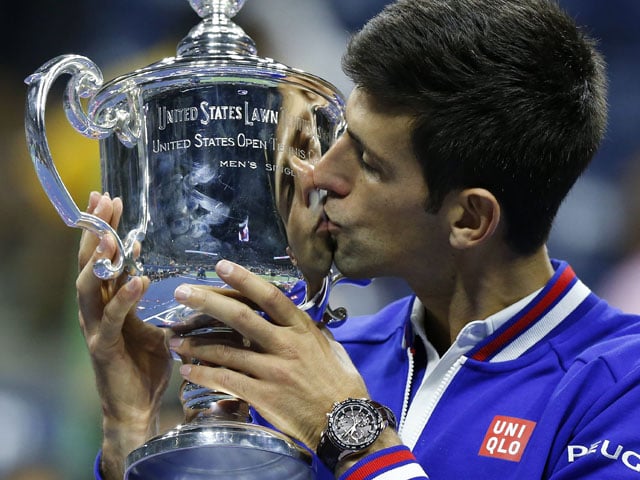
(205, 149)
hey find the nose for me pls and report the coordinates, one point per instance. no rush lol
(304, 183)
(331, 173)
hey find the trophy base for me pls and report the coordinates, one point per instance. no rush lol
(229, 450)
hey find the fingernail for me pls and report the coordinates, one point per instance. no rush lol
(132, 283)
(185, 370)
(94, 199)
(224, 267)
(175, 342)
(98, 208)
(104, 243)
(182, 293)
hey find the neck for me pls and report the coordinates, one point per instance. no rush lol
(479, 289)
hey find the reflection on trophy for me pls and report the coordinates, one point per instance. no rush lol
(211, 152)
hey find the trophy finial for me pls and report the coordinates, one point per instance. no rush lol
(207, 8)
(216, 34)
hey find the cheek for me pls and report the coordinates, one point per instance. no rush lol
(294, 233)
(404, 213)
(410, 227)
(299, 226)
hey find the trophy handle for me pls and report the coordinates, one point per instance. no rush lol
(85, 80)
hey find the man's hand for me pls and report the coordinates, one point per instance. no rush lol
(293, 372)
(130, 359)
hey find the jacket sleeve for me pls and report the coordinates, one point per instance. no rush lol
(96, 466)
(605, 442)
(396, 462)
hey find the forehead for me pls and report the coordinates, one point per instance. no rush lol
(385, 132)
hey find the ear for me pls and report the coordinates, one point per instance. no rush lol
(473, 218)
(292, 257)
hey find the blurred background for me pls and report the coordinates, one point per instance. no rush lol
(49, 412)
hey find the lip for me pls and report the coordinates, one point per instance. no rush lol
(325, 224)
(322, 227)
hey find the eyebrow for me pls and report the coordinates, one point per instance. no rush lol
(363, 147)
(355, 137)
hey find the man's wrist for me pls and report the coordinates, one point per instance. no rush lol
(118, 441)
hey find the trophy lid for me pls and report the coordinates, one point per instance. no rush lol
(214, 50)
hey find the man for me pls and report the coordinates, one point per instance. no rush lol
(470, 122)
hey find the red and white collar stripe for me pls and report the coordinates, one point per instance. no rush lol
(561, 296)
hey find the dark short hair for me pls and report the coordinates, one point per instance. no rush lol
(507, 95)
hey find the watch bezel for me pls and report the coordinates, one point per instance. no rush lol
(376, 424)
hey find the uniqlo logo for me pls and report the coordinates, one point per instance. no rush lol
(506, 438)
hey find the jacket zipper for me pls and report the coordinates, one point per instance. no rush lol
(433, 403)
(407, 390)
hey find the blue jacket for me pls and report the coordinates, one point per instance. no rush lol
(553, 393)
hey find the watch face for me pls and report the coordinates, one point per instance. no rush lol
(355, 425)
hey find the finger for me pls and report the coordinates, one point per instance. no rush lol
(109, 331)
(117, 213)
(104, 210)
(233, 313)
(190, 321)
(94, 199)
(229, 292)
(88, 240)
(105, 248)
(91, 247)
(267, 296)
(92, 292)
(222, 379)
(215, 353)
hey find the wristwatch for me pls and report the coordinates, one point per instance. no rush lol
(352, 425)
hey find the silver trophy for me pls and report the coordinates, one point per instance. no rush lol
(205, 149)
